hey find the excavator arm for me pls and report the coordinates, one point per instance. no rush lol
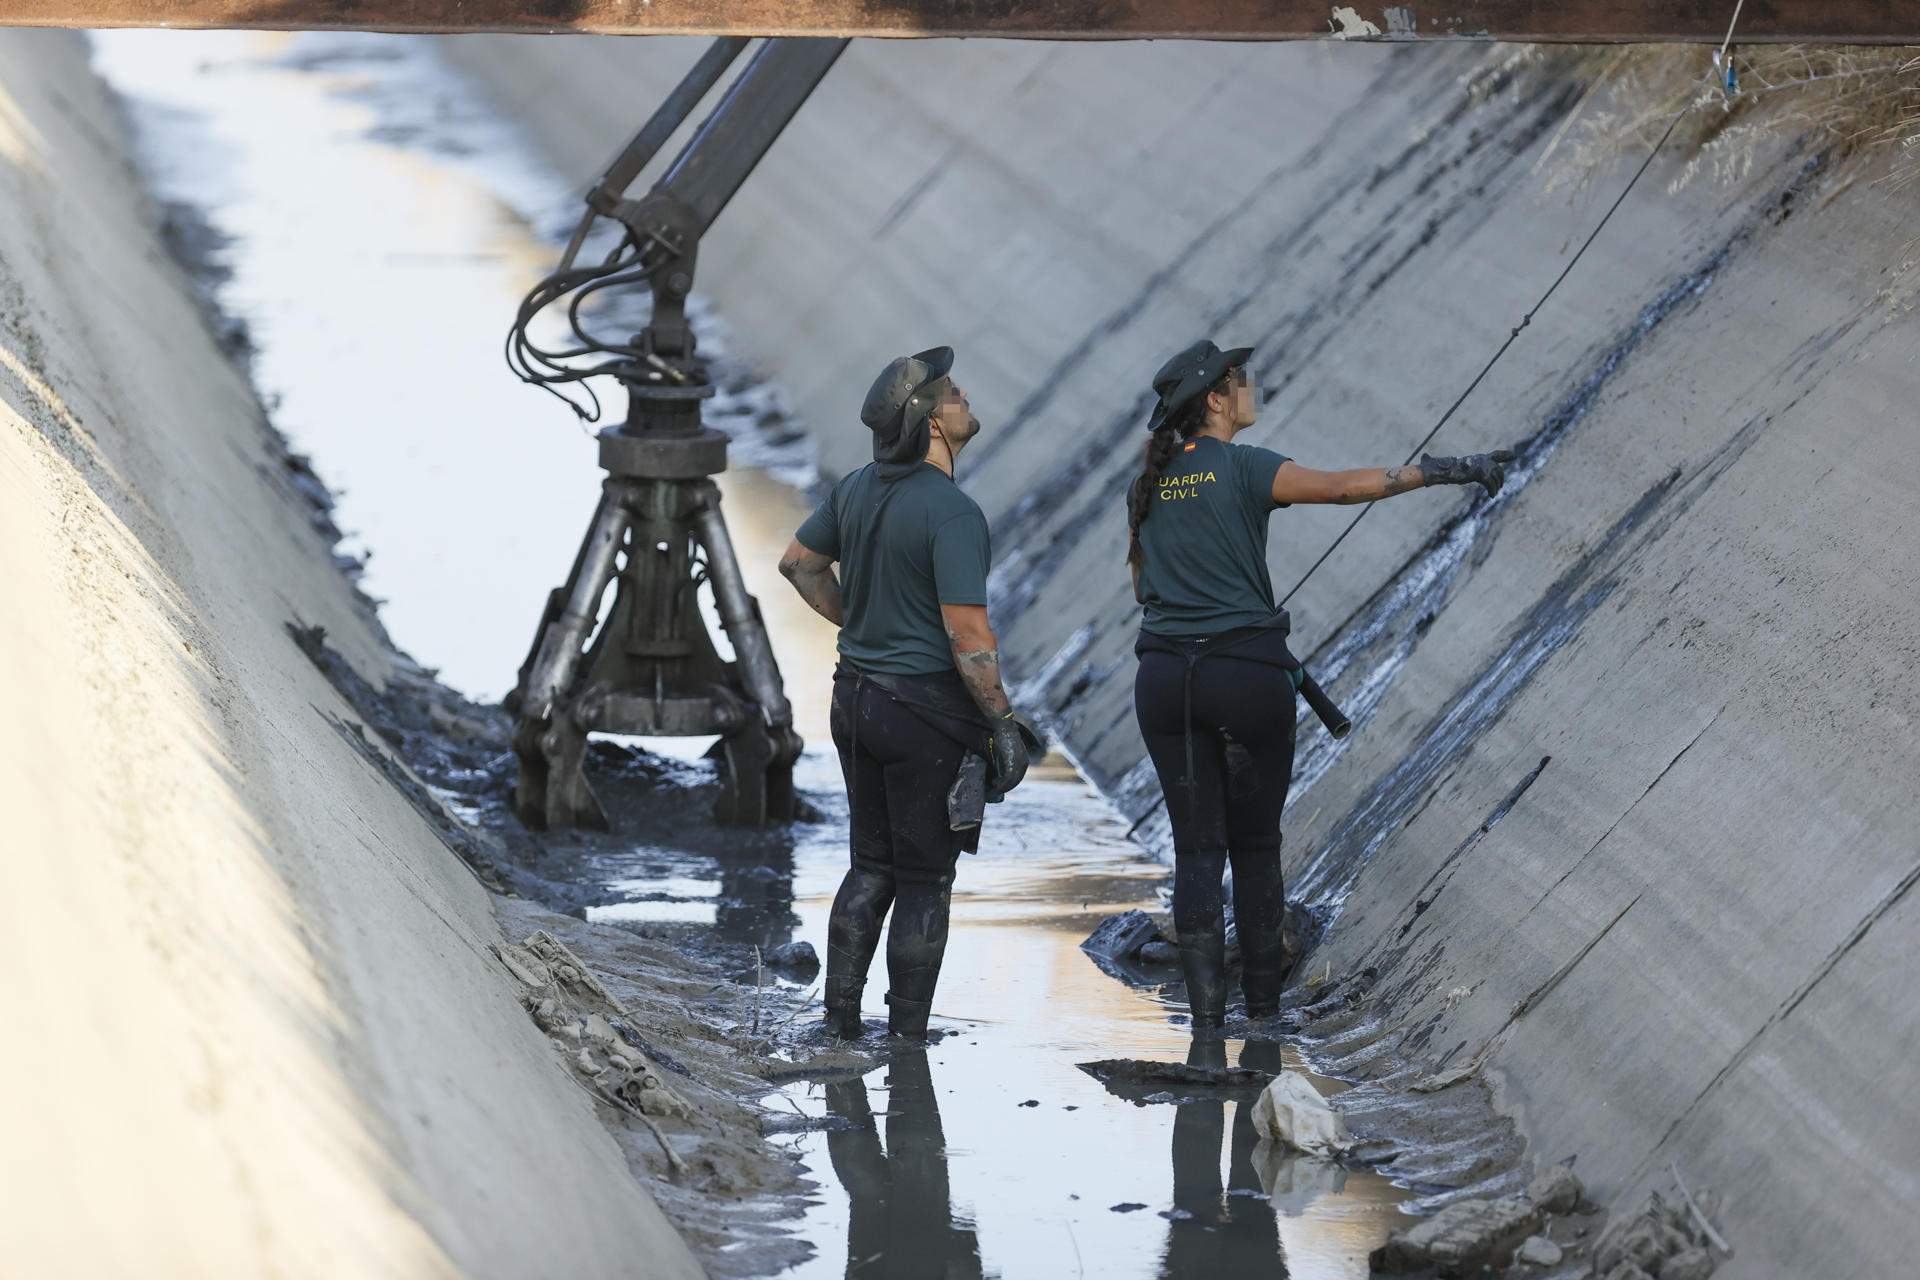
(660, 232)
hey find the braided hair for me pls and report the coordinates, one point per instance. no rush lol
(1182, 424)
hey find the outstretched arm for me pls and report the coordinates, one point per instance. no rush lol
(812, 576)
(976, 656)
(1295, 483)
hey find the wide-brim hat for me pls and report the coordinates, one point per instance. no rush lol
(1189, 375)
(895, 398)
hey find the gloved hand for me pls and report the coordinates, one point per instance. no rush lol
(1007, 756)
(1486, 469)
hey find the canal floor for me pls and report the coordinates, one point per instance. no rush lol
(375, 229)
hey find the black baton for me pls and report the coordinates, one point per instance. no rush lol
(1331, 716)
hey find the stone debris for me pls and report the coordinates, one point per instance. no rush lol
(1473, 1236)
(1538, 1251)
(798, 957)
(1556, 1190)
(1691, 1264)
(1626, 1271)
(1460, 1239)
(1160, 952)
(1663, 1240)
(1120, 938)
(589, 1023)
(1291, 1112)
(1445, 1079)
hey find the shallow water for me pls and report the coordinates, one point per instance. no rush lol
(381, 228)
(1037, 1185)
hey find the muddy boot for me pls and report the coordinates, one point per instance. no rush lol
(853, 935)
(916, 945)
(906, 1017)
(1260, 980)
(910, 986)
(843, 1009)
(1260, 911)
(1203, 957)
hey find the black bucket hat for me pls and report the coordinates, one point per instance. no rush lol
(900, 401)
(1190, 374)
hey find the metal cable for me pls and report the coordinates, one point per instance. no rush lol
(1511, 338)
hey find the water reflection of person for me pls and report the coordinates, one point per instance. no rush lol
(901, 1221)
(1213, 1233)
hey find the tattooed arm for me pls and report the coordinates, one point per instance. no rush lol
(812, 576)
(1295, 483)
(976, 656)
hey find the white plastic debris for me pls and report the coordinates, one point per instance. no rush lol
(1292, 1112)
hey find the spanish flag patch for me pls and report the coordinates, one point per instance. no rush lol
(1190, 446)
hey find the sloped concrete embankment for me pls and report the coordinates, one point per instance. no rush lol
(1628, 812)
(254, 1023)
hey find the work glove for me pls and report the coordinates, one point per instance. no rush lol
(1485, 469)
(1007, 756)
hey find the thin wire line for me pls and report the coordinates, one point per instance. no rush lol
(1511, 337)
(1720, 64)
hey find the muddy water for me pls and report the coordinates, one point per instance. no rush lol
(378, 229)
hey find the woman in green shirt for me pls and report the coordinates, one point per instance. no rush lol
(1214, 692)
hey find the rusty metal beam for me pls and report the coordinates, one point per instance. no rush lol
(1588, 21)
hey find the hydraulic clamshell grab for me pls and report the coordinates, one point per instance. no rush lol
(644, 663)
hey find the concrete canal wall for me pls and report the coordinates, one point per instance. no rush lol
(1636, 744)
(254, 1026)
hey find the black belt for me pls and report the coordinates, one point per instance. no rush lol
(1276, 627)
(940, 696)
(941, 701)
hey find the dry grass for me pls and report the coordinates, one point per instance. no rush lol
(1848, 100)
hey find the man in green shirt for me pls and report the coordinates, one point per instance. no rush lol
(918, 690)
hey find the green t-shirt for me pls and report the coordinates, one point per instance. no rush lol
(1203, 544)
(906, 546)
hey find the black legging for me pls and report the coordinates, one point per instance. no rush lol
(1241, 723)
(898, 769)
